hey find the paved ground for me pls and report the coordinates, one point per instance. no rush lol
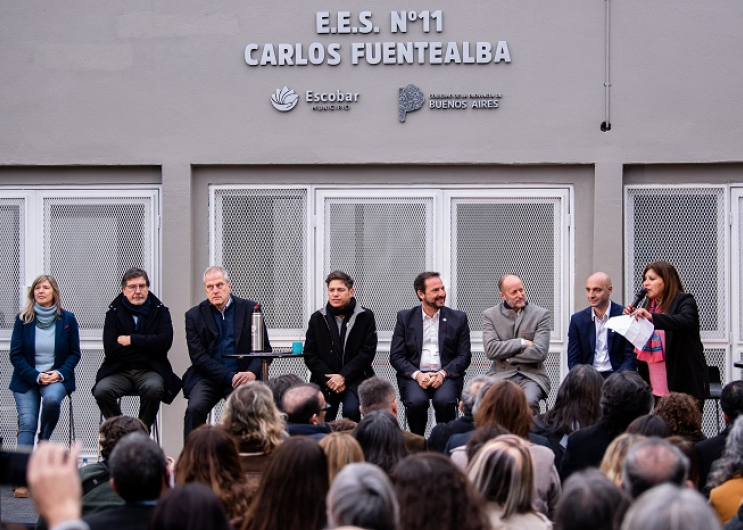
(16, 510)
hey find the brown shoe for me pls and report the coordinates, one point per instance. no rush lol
(21, 492)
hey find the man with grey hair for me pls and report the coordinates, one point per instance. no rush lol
(362, 495)
(668, 507)
(441, 433)
(516, 337)
(217, 330)
(652, 462)
(379, 394)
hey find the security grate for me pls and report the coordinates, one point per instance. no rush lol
(491, 237)
(11, 259)
(383, 244)
(715, 357)
(85, 410)
(89, 243)
(260, 238)
(685, 226)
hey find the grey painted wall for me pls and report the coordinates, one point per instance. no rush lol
(89, 86)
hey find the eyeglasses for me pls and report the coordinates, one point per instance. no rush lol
(325, 408)
(137, 287)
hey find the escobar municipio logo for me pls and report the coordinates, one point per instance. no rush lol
(284, 99)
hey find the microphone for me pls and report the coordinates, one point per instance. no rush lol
(638, 297)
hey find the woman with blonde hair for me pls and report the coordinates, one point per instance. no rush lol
(44, 350)
(502, 471)
(341, 448)
(250, 415)
(504, 405)
(611, 464)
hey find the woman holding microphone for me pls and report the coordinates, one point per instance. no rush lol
(44, 350)
(673, 358)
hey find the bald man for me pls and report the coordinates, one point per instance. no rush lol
(589, 340)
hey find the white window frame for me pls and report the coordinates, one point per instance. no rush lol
(34, 251)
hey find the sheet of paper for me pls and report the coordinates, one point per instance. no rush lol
(637, 331)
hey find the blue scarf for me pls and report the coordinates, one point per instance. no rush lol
(45, 316)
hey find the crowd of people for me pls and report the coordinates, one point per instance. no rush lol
(628, 465)
(622, 447)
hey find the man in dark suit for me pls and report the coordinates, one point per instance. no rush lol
(139, 474)
(430, 350)
(217, 328)
(590, 341)
(711, 449)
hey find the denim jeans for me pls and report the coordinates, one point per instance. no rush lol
(48, 398)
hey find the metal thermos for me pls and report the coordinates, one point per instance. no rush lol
(256, 328)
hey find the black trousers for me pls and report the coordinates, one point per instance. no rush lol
(146, 384)
(201, 400)
(350, 399)
(415, 399)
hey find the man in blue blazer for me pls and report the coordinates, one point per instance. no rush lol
(218, 327)
(430, 350)
(590, 341)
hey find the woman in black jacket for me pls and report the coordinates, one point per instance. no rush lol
(673, 359)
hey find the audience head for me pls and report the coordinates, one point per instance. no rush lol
(481, 393)
(362, 495)
(298, 502)
(652, 462)
(139, 471)
(304, 404)
(649, 425)
(251, 416)
(113, 429)
(210, 456)
(686, 447)
(381, 439)
(375, 394)
(191, 506)
(470, 391)
(433, 493)
(340, 449)
(280, 384)
(668, 507)
(731, 401)
(503, 472)
(590, 501)
(578, 401)
(480, 437)
(613, 461)
(682, 415)
(731, 462)
(342, 425)
(505, 404)
(625, 397)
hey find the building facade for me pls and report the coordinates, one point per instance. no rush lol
(285, 140)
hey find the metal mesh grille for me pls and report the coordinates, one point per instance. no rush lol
(11, 259)
(715, 357)
(260, 239)
(89, 243)
(491, 237)
(685, 226)
(383, 244)
(85, 409)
